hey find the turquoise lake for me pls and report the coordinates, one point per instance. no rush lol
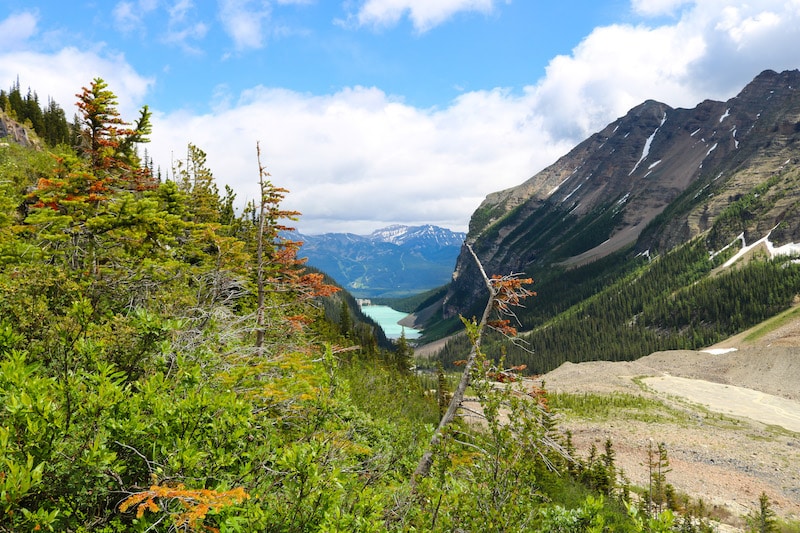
(388, 319)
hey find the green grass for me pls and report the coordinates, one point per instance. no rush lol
(616, 405)
(773, 324)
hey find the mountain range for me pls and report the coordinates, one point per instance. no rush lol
(649, 182)
(395, 261)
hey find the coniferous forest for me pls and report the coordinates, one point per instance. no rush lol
(167, 363)
(681, 300)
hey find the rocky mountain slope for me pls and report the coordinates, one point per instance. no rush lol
(649, 181)
(13, 131)
(393, 261)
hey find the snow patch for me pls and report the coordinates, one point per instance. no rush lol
(725, 115)
(647, 143)
(554, 189)
(711, 149)
(653, 165)
(719, 351)
(695, 132)
(573, 192)
(791, 248)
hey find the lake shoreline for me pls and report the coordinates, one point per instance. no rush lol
(392, 322)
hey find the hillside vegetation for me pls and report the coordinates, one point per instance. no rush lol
(168, 364)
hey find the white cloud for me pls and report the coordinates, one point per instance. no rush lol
(712, 50)
(16, 29)
(614, 69)
(62, 74)
(359, 159)
(128, 16)
(244, 21)
(424, 14)
(182, 29)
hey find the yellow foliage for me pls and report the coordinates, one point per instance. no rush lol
(195, 503)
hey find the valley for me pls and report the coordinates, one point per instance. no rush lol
(392, 262)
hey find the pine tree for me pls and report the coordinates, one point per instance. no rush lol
(659, 491)
(404, 353)
(345, 322)
(763, 521)
(109, 143)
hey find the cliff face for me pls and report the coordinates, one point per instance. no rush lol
(13, 131)
(652, 179)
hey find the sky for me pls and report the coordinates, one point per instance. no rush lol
(379, 112)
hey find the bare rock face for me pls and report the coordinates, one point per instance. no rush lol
(652, 179)
(13, 131)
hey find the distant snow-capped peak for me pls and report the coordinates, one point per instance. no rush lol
(399, 234)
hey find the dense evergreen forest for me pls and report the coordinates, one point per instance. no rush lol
(168, 364)
(622, 308)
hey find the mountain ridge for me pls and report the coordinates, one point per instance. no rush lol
(652, 179)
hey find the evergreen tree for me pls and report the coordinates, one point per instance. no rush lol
(56, 128)
(345, 322)
(404, 353)
(764, 520)
(32, 113)
(108, 142)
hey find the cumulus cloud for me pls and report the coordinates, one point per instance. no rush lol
(614, 69)
(743, 38)
(361, 158)
(61, 75)
(424, 14)
(16, 29)
(712, 50)
(244, 21)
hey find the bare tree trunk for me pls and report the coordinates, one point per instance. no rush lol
(260, 257)
(425, 463)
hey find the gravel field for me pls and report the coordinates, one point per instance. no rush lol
(739, 430)
(741, 433)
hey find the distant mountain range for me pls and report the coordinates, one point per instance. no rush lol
(395, 261)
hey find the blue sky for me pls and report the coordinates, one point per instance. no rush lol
(373, 112)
